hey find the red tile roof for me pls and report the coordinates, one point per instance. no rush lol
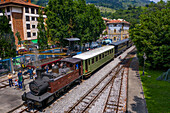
(117, 21)
(105, 19)
(18, 2)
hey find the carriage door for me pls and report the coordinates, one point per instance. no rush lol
(86, 66)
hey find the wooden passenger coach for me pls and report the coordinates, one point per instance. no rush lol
(95, 58)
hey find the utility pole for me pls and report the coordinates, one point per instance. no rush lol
(144, 57)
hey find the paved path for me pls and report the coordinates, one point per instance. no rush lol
(136, 101)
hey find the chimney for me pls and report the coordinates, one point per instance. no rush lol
(29, 1)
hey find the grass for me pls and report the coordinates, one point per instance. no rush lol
(157, 93)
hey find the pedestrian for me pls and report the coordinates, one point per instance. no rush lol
(10, 79)
(20, 79)
(47, 68)
(16, 83)
(30, 72)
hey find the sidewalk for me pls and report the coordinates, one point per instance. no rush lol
(136, 101)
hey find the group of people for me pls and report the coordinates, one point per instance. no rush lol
(19, 83)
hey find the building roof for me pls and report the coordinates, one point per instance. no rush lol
(117, 21)
(119, 42)
(72, 39)
(105, 19)
(92, 53)
(71, 60)
(18, 2)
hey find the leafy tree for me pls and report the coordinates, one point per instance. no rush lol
(42, 34)
(68, 18)
(7, 40)
(151, 36)
(17, 34)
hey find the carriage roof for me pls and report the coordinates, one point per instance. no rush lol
(119, 42)
(92, 53)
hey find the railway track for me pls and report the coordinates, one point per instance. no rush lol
(22, 109)
(116, 81)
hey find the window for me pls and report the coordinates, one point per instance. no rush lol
(114, 38)
(28, 26)
(114, 30)
(103, 55)
(9, 17)
(89, 61)
(28, 34)
(27, 18)
(0, 10)
(99, 56)
(36, 11)
(33, 26)
(34, 34)
(92, 60)
(32, 11)
(8, 9)
(96, 58)
(26, 10)
(33, 18)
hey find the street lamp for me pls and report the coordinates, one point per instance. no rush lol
(144, 57)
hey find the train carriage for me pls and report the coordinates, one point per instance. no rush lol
(95, 58)
(120, 46)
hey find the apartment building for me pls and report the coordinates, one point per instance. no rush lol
(23, 16)
(117, 29)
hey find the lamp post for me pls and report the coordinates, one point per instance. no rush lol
(144, 57)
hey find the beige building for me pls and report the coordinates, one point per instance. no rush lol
(118, 29)
(23, 17)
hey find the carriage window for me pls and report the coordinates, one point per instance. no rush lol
(96, 58)
(99, 56)
(103, 55)
(110, 51)
(89, 61)
(92, 60)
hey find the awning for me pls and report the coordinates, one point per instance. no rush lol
(34, 41)
(71, 60)
(72, 39)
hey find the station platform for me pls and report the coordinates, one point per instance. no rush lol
(136, 101)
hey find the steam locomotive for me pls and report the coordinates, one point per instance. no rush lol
(48, 86)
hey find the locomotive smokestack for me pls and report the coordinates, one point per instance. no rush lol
(38, 71)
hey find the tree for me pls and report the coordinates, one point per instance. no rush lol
(17, 34)
(7, 39)
(42, 34)
(73, 18)
(151, 36)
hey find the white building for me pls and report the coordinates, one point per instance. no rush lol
(117, 29)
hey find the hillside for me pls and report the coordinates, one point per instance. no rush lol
(114, 4)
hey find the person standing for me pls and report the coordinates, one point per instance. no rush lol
(20, 79)
(10, 79)
(47, 68)
(30, 72)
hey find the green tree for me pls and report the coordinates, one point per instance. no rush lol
(42, 34)
(151, 36)
(17, 34)
(68, 18)
(7, 39)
